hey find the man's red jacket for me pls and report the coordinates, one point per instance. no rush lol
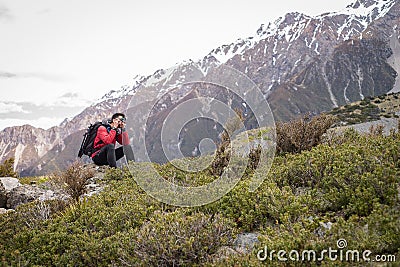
(105, 137)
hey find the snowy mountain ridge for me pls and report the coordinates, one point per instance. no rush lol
(355, 19)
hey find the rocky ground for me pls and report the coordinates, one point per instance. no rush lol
(13, 193)
(387, 123)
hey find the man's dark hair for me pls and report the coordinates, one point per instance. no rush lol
(116, 115)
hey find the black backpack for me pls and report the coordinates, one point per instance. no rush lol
(88, 139)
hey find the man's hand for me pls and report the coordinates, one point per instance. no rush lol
(114, 124)
(122, 125)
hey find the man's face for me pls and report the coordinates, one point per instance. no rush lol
(121, 121)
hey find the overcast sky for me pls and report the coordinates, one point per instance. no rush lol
(58, 56)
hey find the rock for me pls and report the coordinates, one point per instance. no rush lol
(387, 123)
(10, 182)
(23, 194)
(6, 185)
(26, 193)
(2, 210)
(327, 225)
(95, 184)
(245, 242)
(324, 228)
(222, 253)
(15, 194)
(93, 189)
(96, 169)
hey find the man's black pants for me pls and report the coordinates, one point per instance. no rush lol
(108, 155)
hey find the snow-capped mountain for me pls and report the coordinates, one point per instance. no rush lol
(312, 64)
(301, 64)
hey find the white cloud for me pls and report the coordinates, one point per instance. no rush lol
(45, 92)
(71, 100)
(42, 116)
(44, 123)
(5, 13)
(7, 107)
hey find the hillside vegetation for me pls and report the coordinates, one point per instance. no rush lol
(368, 109)
(343, 187)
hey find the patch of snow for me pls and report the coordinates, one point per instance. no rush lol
(226, 52)
(345, 92)
(18, 154)
(125, 90)
(270, 87)
(158, 76)
(316, 49)
(360, 80)
(328, 86)
(4, 149)
(275, 45)
(316, 30)
(297, 62)
(42, 149)
(361, 15)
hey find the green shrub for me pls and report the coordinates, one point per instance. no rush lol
(81, 235)
(34, 180)
(7, 168)
(117, 174)
(350, 187)
(365, 101)
(175, 239)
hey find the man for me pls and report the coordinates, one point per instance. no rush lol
(104, 142)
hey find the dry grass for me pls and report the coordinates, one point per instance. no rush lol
(74, 179)
(301, 134)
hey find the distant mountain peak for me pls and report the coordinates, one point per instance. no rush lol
(124, 90)
(368, 3)
(368, 8)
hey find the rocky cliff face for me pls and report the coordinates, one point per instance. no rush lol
(301, 64)
(26, 144)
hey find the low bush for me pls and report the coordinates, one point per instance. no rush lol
(33, 180)
(7, 168)
(74, 179)
(301, 134)
(175, 239)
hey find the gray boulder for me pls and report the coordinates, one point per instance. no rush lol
(245, 242)
(7, 184)
(2, 210)
(26, 193)
(23, 194)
